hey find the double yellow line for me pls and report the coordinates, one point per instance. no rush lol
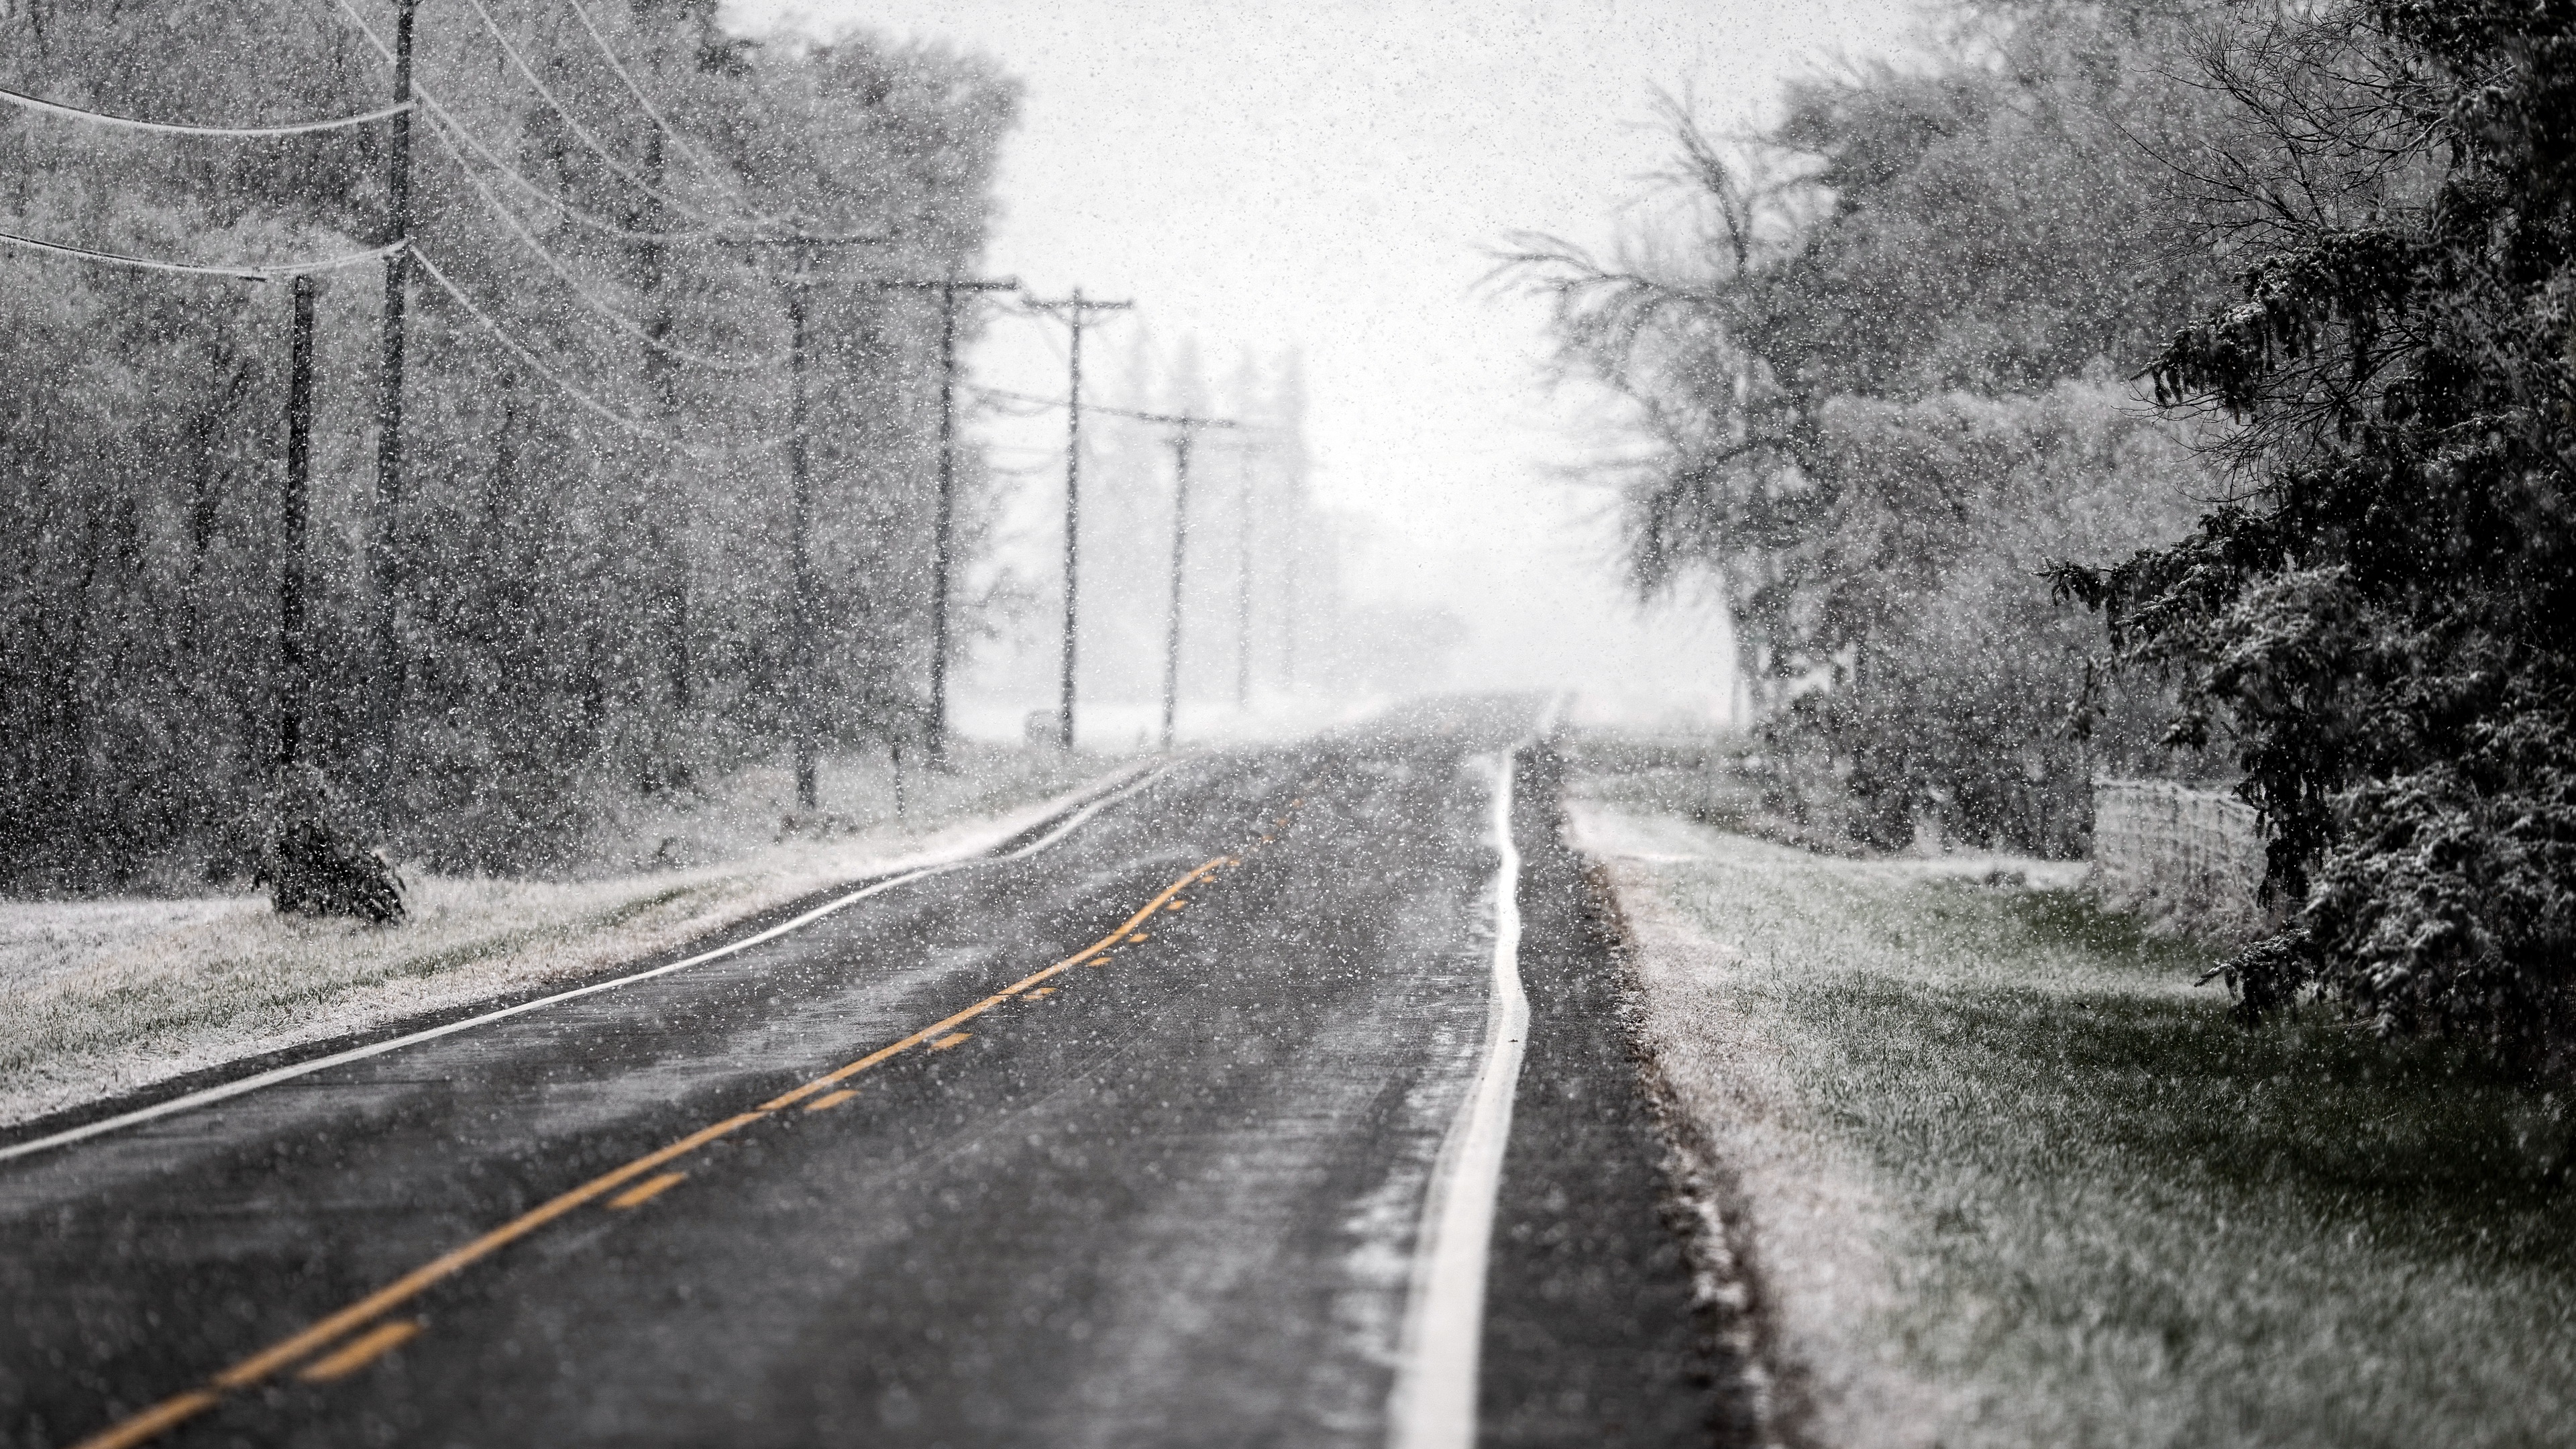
(295, 1348)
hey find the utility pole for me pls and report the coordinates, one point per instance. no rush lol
(290, 572)
(667, 562)
(1076, 311)
(947, 287)
(502, 483)
(803, 728)
(1180, 535)
(1243, 578)
(389, 406)
(800, 523)
(1288, 627)
(1184, 431)
(1285, 406)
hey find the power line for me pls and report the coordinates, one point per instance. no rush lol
(606, 310)
(1185, 428)
(1182, 421)
(536, 364)
(1076, 313)
(447, 125)
(800, 507)
(1169, 419)
(597, 148)
(167, 128)
(1036, 403)
(384, 558)
(1010, 405)
(267, 273)
(688, 148)
(947, 287)
(625, 421)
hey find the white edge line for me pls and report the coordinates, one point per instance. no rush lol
(209, 1095)
(1433, 1405)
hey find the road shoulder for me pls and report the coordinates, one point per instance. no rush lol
(225, 995)
(1595, 1332)
(1787, 1230)
(1996, 1171)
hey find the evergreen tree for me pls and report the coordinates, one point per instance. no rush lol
(2381, 627)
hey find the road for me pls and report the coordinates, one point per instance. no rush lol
(1144, 1136)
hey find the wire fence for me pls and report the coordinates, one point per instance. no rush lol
(2193, 857)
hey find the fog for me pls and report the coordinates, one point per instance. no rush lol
(1335, 179)
(1842, 724)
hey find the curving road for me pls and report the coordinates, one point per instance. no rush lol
(1143, 1136)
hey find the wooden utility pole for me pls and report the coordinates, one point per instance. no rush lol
(1184, 427)
(667, 561)
(291, 682)
(1243, 577)
(1180, 535)
(1076, 311)
(501, 485)
(804, 728)
(945, 519)
(800, 523)
(389, 406)
(1288, 627)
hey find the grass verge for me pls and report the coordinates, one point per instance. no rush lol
(102, 997)
(2011, 1180)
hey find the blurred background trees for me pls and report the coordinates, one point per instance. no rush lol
(2246, 325)
(1880, 349)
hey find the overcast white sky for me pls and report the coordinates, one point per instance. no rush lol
(1334, 173)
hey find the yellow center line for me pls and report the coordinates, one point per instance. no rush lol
(942, 1028)
(410, 1285)
(830, 1099)
(178, 1409)
(359, 1352)
(152, 1422)
(647, 1190)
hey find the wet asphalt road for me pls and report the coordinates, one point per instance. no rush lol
(1170, 1199)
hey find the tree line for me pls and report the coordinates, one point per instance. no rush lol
(2168, 389)
(583, 583)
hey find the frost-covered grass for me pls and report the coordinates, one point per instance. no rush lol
(100, 997)
(2012, 1180)
(1726, 781)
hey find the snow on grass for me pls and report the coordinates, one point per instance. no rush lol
(102, 997)
(2010, 1179)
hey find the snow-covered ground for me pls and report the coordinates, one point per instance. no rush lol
(102, 997)
(1138, 724)
(1992, 1170)
(1712, 946)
